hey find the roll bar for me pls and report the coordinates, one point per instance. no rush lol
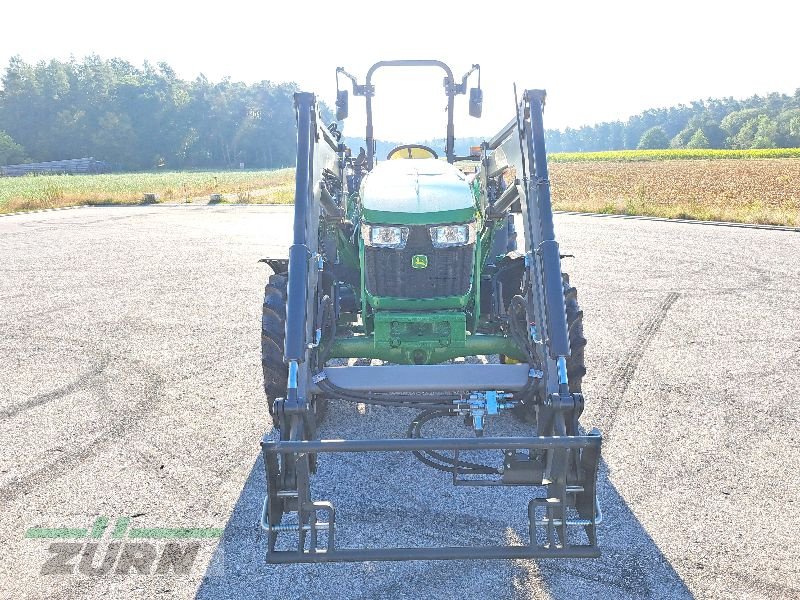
(451, 88)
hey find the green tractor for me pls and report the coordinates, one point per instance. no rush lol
(415, 263)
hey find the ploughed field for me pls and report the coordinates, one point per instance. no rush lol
(762, 190)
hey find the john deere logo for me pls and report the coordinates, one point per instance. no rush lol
(419, 261)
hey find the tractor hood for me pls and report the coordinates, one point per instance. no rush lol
(421, 191)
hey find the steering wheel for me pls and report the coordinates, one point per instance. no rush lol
(411, 151)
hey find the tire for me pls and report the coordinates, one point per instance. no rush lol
(576, 367)
(273, 323)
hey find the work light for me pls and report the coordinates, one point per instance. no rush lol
(384, 236)
(445, 236)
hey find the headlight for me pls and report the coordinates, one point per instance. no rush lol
(445, 236)
(384, 236)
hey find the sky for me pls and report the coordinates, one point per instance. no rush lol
(598, 61)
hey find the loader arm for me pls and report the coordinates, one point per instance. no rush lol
(519, 148)
(316, 153)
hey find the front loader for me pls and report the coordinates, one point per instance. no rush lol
(413, 264)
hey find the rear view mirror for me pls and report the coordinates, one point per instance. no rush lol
(475, 102)
(341, 105)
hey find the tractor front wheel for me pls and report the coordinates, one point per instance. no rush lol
(576, 368)
(273, 333)
(273, 323)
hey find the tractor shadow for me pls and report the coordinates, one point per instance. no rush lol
(393, 500)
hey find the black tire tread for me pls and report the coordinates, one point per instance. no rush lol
(576, 367)
(279, 281)
(273, 325)
(273, 322)
(275, 299)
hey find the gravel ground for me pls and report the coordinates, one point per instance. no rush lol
(130, 386)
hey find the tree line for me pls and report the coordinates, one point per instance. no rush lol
(142, 118)
(771, 121)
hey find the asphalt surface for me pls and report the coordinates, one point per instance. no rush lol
(130, 386)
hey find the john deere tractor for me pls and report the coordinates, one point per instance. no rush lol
(416, 264)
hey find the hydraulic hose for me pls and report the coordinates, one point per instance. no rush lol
(326, 322)
(445, 463)
(383, 399)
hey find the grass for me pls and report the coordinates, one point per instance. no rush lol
(52, 191)
(671, 154)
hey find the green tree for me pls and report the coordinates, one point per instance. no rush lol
(682, 138)
(10, 151)
(788, 123)
(759, 132)
(115, 139)
(715, 135)
(653, 139)
(138, 118)
(734, 121)
(699, 140)
(719, 118)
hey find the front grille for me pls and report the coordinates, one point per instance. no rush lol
(388, 272)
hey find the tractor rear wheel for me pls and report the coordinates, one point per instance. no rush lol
(273, 322)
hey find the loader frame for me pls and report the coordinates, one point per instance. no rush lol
(559, 460)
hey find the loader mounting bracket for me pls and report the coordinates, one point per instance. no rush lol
(554, 518)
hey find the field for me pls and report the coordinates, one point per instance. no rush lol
(51, 191)
(745, 191)
(673, 154)
(747, 186)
